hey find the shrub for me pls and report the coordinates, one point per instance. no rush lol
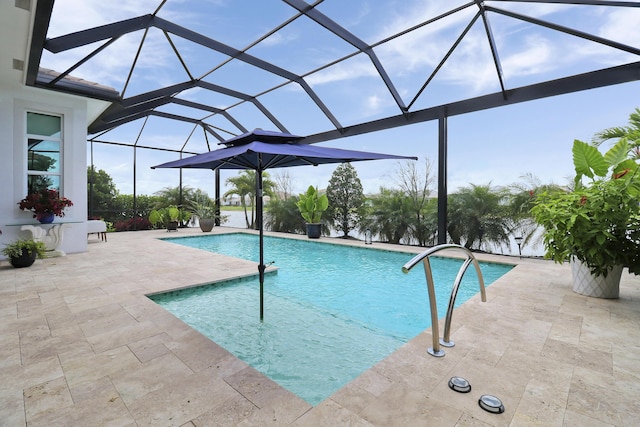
(133, 224)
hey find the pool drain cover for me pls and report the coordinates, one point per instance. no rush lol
(459, 384)
(491, 404)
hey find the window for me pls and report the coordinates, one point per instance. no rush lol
(44, 146)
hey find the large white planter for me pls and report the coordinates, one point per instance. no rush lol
(584, 283)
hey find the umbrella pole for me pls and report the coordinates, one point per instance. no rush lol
(261, 266)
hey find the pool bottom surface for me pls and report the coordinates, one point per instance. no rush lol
(299, 346)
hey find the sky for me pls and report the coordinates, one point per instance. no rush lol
(495, 147)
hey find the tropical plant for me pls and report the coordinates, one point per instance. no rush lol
(244, 185)
(169, 214)
(203, 207)
(389, 215)
(312, 204)
(284, 216)
(176, 196)
(629, 133)
(205, 210)
(47, 201)
(424, 229)
(478, 216)
(346, 199)
(521, 199)
(598, 223)
(15, 249)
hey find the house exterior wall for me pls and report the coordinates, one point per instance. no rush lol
(15, 100)
(16, 24)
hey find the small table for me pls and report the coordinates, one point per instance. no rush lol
(49, 234)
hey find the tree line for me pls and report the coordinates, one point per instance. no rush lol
(480, 217)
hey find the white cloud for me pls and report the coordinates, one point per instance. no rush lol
(279, 38)
(353, 69)
(533, 58)
(620, 26)
(373, 104)
(112, 65)
(471, 64)
(71, 15)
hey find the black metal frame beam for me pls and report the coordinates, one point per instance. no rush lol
(566, 30)
(591, 80)
(492, 44)
(350, 38)
(580, 2)
(445, 57)
(139, 105)
(44, 8)
(118, 29)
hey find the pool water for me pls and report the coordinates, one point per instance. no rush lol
(330, 312)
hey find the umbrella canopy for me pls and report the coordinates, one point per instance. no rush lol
(260, 150)
(262, 155)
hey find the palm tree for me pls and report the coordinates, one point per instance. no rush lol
(479, 216)
(631, 133)
(283, 215)
(244, 185)
(175, 196)
(424, 229)
(521, 199)
(389, 215)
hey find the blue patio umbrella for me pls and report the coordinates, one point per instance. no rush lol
(260, 150)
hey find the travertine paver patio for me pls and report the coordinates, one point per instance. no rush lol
(81, 345)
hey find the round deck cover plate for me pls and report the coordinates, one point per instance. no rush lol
(491, 404)
(459, 384)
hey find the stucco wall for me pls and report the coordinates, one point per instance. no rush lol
(14, 101)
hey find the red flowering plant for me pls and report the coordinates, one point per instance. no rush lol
(598, 222)
(45, 202)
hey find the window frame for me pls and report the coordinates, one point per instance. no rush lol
(59, 174)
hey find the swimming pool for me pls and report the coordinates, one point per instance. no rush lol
(331, 311)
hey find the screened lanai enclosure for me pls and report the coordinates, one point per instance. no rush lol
(182, 76)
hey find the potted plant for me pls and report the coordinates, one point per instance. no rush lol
(311, 205)
(23, 252)
(170, 217)
(597, 225)
(206, 213)
(45, 204)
